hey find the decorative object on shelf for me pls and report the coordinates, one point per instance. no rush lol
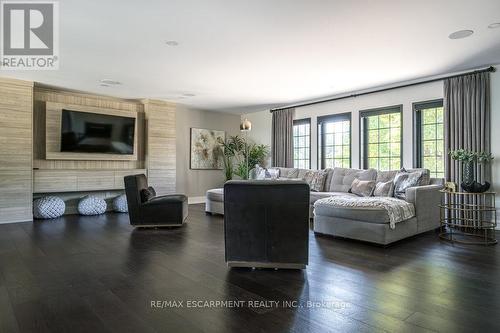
(91, 205)
(206, 150)
(49, 207)
(450, 187)
(120, 204)
(476, 187)
(470, 160)
(468, 218)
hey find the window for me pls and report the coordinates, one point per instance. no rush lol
(429, 139)
(302, 143)
(381, 138)
(334, 141)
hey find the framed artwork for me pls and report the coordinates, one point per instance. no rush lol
(205, 150)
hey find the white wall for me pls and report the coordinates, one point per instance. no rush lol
(261, 120)
(194, 183)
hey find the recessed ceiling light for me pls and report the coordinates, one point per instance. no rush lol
(188, 95)
(172, 42)
(494, 25)
(104, 85)
(460, 34)
(110, 82)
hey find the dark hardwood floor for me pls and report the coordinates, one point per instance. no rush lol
(98, 274)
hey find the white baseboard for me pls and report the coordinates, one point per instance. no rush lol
(196, 200)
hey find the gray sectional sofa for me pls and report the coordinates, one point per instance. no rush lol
(370, 224)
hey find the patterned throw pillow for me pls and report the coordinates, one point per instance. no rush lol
(405, 179)
(147, 194)
(293, 173)
(384, 189)
(272, 173)
(315, 179)
(362, 188)
(259, 173)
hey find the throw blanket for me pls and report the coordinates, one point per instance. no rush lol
(397, 209)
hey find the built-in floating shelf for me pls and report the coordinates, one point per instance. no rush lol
(57, 180)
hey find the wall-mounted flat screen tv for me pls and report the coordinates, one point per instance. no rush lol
(85, 132)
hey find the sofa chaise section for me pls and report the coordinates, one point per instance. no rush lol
(373, 224)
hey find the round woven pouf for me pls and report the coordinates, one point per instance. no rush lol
(120, 204)
(48, 207)
(90, 205)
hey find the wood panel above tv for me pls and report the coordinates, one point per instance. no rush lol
(53, 114)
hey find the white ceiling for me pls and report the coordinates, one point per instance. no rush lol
(240, 55)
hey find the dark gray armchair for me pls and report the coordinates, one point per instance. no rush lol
(266, 224)
(157, 211)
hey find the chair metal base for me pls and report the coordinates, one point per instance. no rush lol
(256, 264)
(157, 225)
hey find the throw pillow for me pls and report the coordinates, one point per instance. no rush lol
(273, 173)
(342, 178)
(293, 173)
(362, 188)
(147, 194)
(260, 173)
(404, 180)
(384, 189)
(425, 179)
(315, 179)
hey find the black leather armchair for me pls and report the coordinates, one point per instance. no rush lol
(266, 224)
(167, 210)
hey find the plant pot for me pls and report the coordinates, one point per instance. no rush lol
(476, 187)
(468, 173)
(469, 184)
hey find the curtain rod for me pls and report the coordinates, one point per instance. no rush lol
(489, 69)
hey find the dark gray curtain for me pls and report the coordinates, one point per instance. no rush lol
(467, 121)
(282, 138)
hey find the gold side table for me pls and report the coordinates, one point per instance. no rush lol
(468, 218)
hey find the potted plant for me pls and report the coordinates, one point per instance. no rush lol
(230, 149)
(469, 160)
(252, 154)
(239, 156)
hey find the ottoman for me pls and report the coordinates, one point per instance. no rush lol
(48, 207)
(215, 201)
